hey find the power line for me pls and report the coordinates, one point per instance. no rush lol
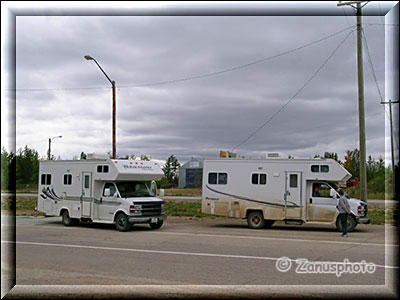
(294, 96)
(322, 125)
(59, 89)
(241, 66)
(198, 76)
(380, 24)
(371, 65)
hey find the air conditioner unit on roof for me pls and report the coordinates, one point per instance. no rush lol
(276, 155)
(96, 156)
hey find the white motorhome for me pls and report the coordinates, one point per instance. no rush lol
(277, 188)
(101, 190)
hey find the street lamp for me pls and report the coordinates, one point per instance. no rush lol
(50, 139)
(88, 57)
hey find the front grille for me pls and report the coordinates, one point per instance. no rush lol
(150, 208)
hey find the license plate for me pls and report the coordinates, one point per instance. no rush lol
(154, 220)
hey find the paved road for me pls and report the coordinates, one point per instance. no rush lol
(187, 198)
(184, 251)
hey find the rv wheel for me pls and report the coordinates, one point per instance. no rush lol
(122, 222)
(255, 220)
(157, 225)
(351, 223)
(67, 221)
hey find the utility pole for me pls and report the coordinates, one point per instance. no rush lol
(361, 109)
(49, 152)
(114, 125)
(390, 102)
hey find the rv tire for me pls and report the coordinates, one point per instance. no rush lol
(157, 225)
(66, 219)
(122, 222)
(351, 223)
(256, 220)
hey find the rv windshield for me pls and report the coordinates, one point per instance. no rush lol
(129, 189)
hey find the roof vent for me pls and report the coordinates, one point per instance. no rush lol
(277, 155)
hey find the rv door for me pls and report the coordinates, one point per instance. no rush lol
(86, 198)
(292, 195)
(109, 202)
(322, 202)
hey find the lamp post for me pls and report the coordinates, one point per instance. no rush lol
(50, 139)
(114, 148)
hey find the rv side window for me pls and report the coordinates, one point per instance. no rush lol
(293, 180)
(217, 178)
(110, 186)
(254, 178)
(321, 190)
(87, 181)
(259, 178)
(102, 169)
(45, 179)
(67, 179)
(212, 178)
(315, 168)
(324, 169)
(263, 178)
(222, 178)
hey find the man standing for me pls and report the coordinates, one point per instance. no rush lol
(344, 210)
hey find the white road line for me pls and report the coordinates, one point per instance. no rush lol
(170, 252)
(274, 238)
(232, 236)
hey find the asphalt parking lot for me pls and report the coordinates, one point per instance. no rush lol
(192, 251)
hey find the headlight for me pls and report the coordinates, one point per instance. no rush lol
(134, 209)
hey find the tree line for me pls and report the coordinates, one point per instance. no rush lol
(22, 167)
(379, 177)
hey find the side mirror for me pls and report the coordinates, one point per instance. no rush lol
(153, 187)
(106, 192)
(332, 193)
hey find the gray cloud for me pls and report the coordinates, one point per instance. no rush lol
(199, 117)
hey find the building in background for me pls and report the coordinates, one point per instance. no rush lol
(190, 174)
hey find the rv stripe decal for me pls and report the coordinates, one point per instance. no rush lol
(252, 200)
(49, 193)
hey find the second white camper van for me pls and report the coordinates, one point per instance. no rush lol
(101, 190)
(277, 188)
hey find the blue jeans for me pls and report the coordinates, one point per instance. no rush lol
(343, 220)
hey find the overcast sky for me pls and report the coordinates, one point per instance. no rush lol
(195, 118)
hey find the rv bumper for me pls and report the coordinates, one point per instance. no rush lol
(146, 219)
(364, 220)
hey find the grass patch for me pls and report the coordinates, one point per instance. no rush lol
(26, 206)
(185, 209)
(6, 203)
(354, 192)
(382, 215)
(183, 192)
(22, 203)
